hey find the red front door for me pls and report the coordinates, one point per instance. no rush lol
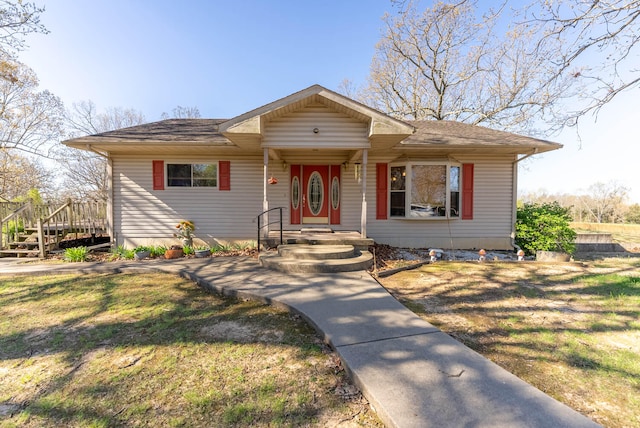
(315, 194)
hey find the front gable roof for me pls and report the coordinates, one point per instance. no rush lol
(252, 121)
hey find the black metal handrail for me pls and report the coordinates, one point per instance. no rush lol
(261, 225)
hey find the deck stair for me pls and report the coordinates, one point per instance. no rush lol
(305, 258)
(33, 230)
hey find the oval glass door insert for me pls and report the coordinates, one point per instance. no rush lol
(295, 193)
(335, 193)
(315, 193)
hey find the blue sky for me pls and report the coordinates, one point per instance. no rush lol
(228, 57)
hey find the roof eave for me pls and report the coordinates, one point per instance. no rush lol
(502, 148)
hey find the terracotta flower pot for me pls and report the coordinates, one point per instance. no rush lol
(173, 253)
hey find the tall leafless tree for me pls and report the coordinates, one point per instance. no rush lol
(448, 62)
(181, 112)
(86, 172)
(598, 46)
(30, 119)
(605, 202)
(19, 174)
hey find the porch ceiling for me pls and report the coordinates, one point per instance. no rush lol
(305, 155)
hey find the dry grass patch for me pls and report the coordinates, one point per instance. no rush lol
(155, 350)
(571, 330)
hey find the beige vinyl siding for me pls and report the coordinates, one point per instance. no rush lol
(491, 226)
(145, 216)
(335, 130)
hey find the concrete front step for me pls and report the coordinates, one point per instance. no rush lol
(317, 259)
(316, 252)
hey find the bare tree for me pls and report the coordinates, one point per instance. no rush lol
(446, 63)
(84, 119)
(17, 19)
(605, 202)
(86, 172)
(182, 113)
(633, 214)
(29, 119)
(599, 46)
(19, 174)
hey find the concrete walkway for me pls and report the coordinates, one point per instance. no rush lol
(412, 374)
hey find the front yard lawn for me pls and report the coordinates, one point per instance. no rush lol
(156, 350)
(572, 330)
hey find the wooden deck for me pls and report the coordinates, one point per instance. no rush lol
(35, 229)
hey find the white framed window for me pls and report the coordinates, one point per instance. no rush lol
(425, 190)
(192, 174)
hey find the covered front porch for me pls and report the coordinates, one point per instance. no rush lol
(315, 147)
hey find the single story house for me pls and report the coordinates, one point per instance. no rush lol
(329, 161)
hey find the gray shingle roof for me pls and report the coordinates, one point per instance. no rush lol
(164, 131)
(428, 134)
(457, 134)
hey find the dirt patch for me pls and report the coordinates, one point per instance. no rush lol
(242, 333)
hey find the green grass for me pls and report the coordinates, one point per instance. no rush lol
(156, 350)
(571, 330)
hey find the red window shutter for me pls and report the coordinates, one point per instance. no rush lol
(225, 175)
(382, 193)
(467, 191)
(158, 175)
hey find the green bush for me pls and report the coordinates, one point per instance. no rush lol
(120, 252)
(158, 251)
(76, 254)
(13, 227)
(544, 227)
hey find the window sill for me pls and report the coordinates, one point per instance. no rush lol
(431, 218)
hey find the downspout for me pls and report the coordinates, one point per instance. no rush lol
(514, 196)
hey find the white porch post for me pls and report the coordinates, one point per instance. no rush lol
(265, 202)
(363, 215)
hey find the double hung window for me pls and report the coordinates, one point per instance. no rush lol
(192, 175)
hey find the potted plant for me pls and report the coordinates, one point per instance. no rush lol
(174, 252)
(202, 251)
(141, 252)
(185, 232)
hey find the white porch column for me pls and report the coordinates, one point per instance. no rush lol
(363, 215)
(265, 202)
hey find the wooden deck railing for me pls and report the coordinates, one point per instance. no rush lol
(45, 225)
